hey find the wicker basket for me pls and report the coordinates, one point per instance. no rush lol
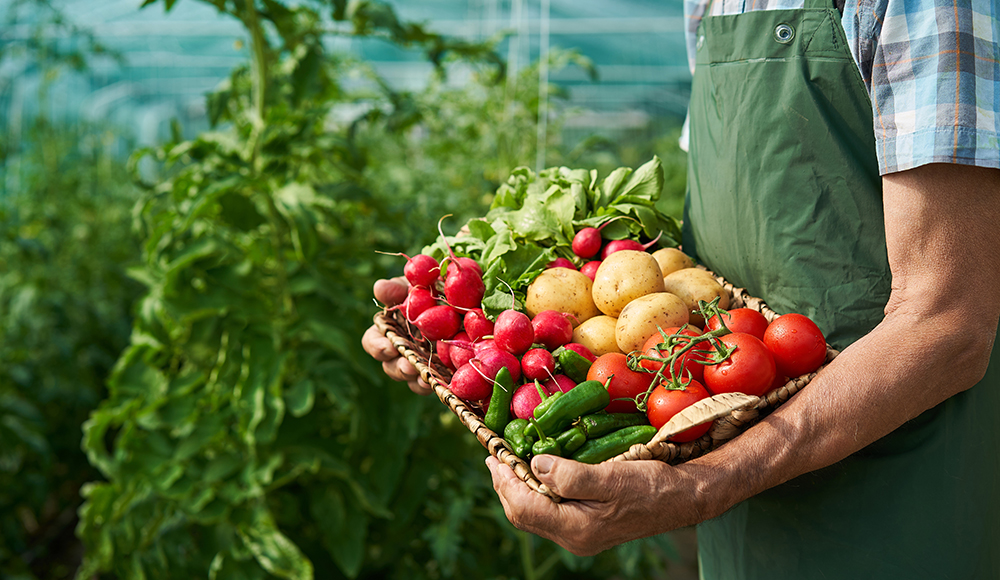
(732, 412)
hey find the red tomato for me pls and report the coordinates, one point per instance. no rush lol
(664, 403)
(746, 320)
(688, 362)
(625, 383)
(797, 344)
(749, 369)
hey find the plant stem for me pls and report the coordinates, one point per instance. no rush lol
(527, 557)
(258, 77)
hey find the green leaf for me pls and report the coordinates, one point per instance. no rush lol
(344, 528)
(300, 398)
(274, 551)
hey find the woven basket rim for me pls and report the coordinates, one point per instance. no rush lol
(401, 334)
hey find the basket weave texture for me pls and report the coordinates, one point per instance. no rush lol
(732, 415)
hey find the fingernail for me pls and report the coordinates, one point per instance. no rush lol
(541, 464)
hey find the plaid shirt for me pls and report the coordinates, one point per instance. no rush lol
(932, 69)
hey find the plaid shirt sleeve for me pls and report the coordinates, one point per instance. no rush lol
(932, 68)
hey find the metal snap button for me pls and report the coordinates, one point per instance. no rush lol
(784, 33)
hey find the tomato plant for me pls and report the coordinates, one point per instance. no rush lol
(663, 403)
(746, 320)
(625, 384)
(797, 344)
(688, 364)
(748, 369)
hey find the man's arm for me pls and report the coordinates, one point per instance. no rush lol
(935, 341)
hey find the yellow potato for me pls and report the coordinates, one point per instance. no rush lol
(692, 285)
(641, 317)
(623, 277)
(672, 259)
(563, 290)
(597, 334)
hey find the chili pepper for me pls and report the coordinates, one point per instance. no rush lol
(615, 443)
(587, 397)
(573, 365)
(545, 445)
(571, 439)
(514, 434)
(547, 399)
(599, 424)
(498, 414)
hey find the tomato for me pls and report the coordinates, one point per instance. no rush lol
(664, 403)
(688, 362)
(749, 369)
(625, 383)
(746, 320)
(797, 344)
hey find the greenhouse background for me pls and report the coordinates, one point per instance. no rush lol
(126, 180)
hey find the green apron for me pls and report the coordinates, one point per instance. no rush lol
(785, 200)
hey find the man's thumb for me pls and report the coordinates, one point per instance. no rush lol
(570, 479)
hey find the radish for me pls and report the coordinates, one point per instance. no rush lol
(538, 363)
(418, 299)
(483, 344)
(526, 398)
(477, 325)
(492, 360)
(460, 349)
(558, 383)
(469, 263)
(513, 332)
(443, 350)
(468, 384)
(438, 322)
(464, 287)
(552, 328)
(587, 242)
(561, 263)
(422, 270)
(590, 269)
(581, 350)
(619, 245)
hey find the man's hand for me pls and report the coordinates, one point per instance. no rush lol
(613, 502)
(391, 292)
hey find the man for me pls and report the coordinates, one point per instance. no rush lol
(843, 166)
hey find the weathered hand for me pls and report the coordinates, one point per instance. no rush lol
(391, 292)
(606, 504)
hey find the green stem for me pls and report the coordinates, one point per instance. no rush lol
(527, 557)
(258, 78)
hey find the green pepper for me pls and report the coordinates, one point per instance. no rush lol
(587, 397)
(519, 443)
(573, 365)
(498, 414)
(545, 445)
(547, 399)
(571, 439)
(599, 424)
(615, 443)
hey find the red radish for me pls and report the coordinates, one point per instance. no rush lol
(443, 350)
(561, 263)
(484, 344)
(552, 328)
(619, 245)
(477, 325)
(438, 322)
(513, 332)
(460, 349)
(590, 269)
(492, 360)
(422, 270)
(469, 385)
(469, 263)
(526, 398)
(538, 363)
(581, 350)
(558, 383)
(587, 242)
(464, 287)
(418, 300)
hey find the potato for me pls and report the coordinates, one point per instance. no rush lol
(692, 285)
(563, 290)
(597, 334)
(623, 277)
(672, 259)
(641, 318)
